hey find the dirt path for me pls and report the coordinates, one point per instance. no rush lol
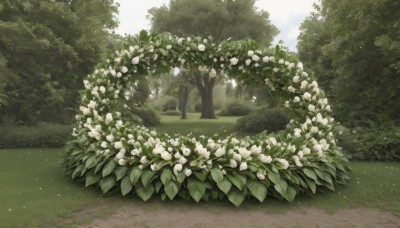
(190, 216)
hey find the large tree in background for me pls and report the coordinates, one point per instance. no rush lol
(354, 47)
(46, 48)
(219, 19)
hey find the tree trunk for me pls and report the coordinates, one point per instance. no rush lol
(205, 85)
(185, 98)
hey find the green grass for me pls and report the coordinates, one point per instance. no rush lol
(33, 190)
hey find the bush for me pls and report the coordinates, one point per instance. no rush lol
(262, 119)
(377, 142)
(236, 109)
(172, 113)
(148, 117)
(41, 135)
(198, 107)
(169, 103)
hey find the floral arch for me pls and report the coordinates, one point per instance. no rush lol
(113, 154)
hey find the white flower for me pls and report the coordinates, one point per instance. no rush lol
(291, 89)
(311, 108)
(300, 66)
(256, 150)
(113, 73)
(135, 152)
(182, 160)
(120, 155)
(186, 151)
(168, 47)
(266, 59)
(85, 111)
(121, 162)
(180, 40)
(248, 61)
(177, 168)
(275, 69)
(102, 89)
(117, 60)
(265, 159)
(166, 156)
(135, 60)
(234, 61)
(296, 99)
(260, 176)
(250, 53)
(213, 73)
(201, 47)
(118, 145)
(220, 152)
(283, 162)
(255, 58)
(104, 144)
(188, 172)
(243, 166)
(124, 69)
(296, 79)
(306, 96)
(109, 118)
(281, 61)
(144, 160)
(297, 161)
(233, 163)
(110, 138)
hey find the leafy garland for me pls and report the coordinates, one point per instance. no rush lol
(115, 155)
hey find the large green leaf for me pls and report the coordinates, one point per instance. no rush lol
(274, 177)
(257, 189)
(126, 186)
(77, 171)
(171, 189)
(135, 175)
(180, 177)
(201, 175)
(290, 194)
(238, 180)
(310, 173)
(107, 183)
(312, 185)
(236, 197)
(120, 172)
(225, 185)
(217, 175)
(196, 189)
(108, 168)
(166, 176)
(147, 177)
(144, 193)
(91, 179)
(281, 187)
(90, 162)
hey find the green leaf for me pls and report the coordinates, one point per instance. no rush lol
(158, 186)
(290, 194)
(91, 179)
(147, 177)
(281, 187)
(225, 185)
(144, 193)
(135, 175)
(120, 172)
(274, 177)
(108, 168)
(238, 180)
(107, 183)
(201, 175)
(163, 52)
(180, 177)
(196, 189)
(236, 197)
(76, 171)
(312, 185)
(166, 176)
(257, 189)
(310, 173)
(90, 162)
(217, 175)
(171, 189)
(126, 186)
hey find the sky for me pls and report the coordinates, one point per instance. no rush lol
(286, 15)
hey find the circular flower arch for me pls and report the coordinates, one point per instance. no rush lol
(109, 152)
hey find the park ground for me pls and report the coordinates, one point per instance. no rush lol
(34, 193)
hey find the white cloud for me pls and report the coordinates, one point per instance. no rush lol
(287, 15)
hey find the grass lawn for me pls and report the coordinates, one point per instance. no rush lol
(33, 190)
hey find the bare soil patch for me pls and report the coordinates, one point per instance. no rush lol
(164, 215)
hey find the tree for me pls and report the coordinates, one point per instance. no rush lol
(360, 55)
(48, 47)
(218, 19)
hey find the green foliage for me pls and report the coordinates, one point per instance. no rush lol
(41, 135)
(148, 117)
(374, 142)
(355, 57)
(47, 48)
(236, 108)
(171, 113)
(169, 103)
(262, 119)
